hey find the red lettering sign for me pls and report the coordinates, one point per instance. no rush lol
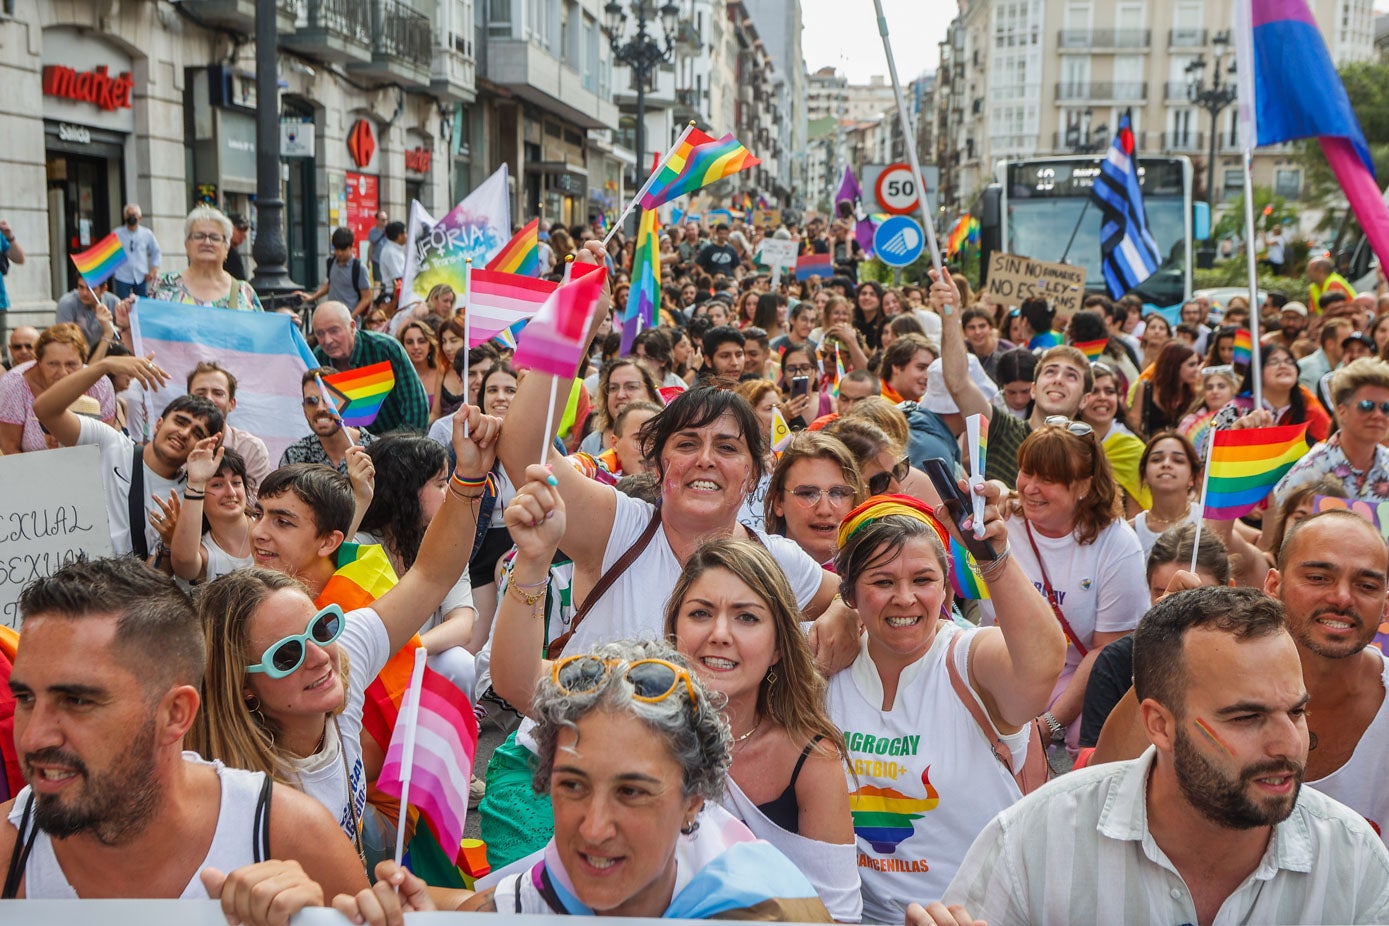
(97, 87)
(418, 159)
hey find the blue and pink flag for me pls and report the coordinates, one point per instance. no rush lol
(265, 351)
(556, 340)
(645, 294)
(1290, 89)
(811, 265)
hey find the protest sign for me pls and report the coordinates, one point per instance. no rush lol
(1013, 279)
(776, 252)
(53, 513)
(765, 217)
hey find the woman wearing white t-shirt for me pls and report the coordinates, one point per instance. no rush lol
(1068, 534)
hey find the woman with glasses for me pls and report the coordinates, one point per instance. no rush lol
(620, 381)
(1286, 401)
(1067, 533)
(801, 408)
(733, 616)
(207, 236)
(925, 777)
(286, 679)
(814, 485)
(1100, 408)
(636, 828)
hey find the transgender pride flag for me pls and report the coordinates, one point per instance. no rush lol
(1289, 88)
(264, 351)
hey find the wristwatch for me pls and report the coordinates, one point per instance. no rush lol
(1058, 732)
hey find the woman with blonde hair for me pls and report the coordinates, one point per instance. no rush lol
(207, 235)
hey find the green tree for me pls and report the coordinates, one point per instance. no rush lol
(1367, 87)
(1269, 210)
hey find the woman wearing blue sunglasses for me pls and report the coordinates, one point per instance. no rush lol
(286, 681)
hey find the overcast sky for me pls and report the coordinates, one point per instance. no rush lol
(844, 34)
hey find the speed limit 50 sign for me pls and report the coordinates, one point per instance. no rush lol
(897, 189)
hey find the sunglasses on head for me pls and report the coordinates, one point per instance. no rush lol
(879, 484)
(1078, 428)
(284, 657)
(1369, 405)
(652, 680)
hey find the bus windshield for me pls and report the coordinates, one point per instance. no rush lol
(1040, 228)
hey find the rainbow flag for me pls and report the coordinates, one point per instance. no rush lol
(1093, 350)
(838, 374)
(1245, 465)
(101, 260)
(964, 573)
(521, 254)
(697, 161)
(497, 301)
(809, 265)
(362, 392)
(966, 231)
(645, 295)
(556, 343)
(1244, 348)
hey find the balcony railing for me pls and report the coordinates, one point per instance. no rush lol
(1184, 141)
(400, 32)
(1104, 38)
(346, 17)
(1176, 91)
(1186, 38)
(1104, 90)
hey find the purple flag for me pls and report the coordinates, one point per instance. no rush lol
(848, 204)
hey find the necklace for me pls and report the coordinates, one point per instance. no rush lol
(1154, 518)
(245, 546)
(739, 739)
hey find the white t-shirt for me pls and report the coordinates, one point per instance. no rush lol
(1359, 784)
(754, 511)
(117, 453)
(324, 775)
(1146, 536)
(220, 562)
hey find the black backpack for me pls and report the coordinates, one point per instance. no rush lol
(356, 274)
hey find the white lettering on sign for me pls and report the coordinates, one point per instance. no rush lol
(74, 133)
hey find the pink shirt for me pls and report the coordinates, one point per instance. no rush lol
(17, 405)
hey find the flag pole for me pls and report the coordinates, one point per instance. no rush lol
(333, 409)
(1255, 363)
(909, 139)
(467, 332)
(636, 198)
(1200, 521)
(548, 438)
(407, 758)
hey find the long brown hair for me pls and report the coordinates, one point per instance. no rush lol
(1170, 393)
(1053, 454)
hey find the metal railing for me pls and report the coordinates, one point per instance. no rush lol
(401, 32)
(1103, 90)
(1176, 90)
(1104, 38)
(1183, 141)
(1186, 38)
(351, 18)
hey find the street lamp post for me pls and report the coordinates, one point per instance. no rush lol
(1213, 98)
(1082, 139)
(269, 249)
(643, 53)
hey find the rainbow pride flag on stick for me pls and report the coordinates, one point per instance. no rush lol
(1245, 464)
(645, 294)
(362, 392)
(1244, 348)
(965, 577)
(521, 254)
(697, 161)
(101, 260)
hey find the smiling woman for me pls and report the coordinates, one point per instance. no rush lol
(207, 236)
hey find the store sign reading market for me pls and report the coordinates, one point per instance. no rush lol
(97, 86)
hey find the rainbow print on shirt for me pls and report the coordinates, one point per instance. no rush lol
(883, 817)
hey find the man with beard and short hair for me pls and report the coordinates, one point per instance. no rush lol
(1210, 824)
(106, 687)
(330, 440)
(1292, 321)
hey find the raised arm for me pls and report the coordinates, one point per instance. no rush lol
(954, 354)
(51, 406)
(448, 542)
(186, 552)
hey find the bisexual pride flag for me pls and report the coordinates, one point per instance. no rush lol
(810, 265)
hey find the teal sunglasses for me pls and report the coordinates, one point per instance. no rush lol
(284, 657)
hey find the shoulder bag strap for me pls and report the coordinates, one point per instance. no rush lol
(19, 856)
(605, 582)
(135, 502)
(1035, 770)
(260, 836)
(1051, 595)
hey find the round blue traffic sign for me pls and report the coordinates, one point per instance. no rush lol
(898, 241)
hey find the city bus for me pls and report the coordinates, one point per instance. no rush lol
(1038, 206)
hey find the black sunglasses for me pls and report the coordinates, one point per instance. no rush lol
(879, 484)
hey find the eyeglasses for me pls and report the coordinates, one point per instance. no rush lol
(1078, 428)
(880, 483)
(811, 495)
(798, 369)
(214, 237)
(1369, 405)
(313, 401)
(284, 657)
(1280, 361)
(624, 388)
(652, 680)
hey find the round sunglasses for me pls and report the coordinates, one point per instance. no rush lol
(285, 656)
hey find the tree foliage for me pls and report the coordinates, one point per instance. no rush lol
(1367, 87)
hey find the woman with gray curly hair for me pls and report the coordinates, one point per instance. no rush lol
(631, 746)
(207, 234)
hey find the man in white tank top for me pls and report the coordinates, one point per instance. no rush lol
(106, 685)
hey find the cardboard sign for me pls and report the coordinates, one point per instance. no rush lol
(765, 217)
(1013, 279)
(52, 512)
(776, 252)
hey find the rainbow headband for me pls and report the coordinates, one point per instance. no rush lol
(885, 506)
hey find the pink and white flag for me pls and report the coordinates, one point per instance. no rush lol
(554, 342)
(498, 301)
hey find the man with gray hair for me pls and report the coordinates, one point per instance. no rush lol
(344, 346)
(142, 252)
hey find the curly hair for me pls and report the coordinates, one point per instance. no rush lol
(405, 463)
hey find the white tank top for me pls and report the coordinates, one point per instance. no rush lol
(1147, 537)
(232, 841)
(1359, 784)
(219, 561)
(927, 782)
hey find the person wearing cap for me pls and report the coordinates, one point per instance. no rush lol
(235, 264)
(1353, 455)
(1292, 321)
(935, 422)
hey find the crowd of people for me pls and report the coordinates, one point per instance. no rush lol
(745, 682)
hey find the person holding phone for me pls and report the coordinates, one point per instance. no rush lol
(800, 383)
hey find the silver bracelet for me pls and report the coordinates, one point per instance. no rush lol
(991, 571)
(1058, 732)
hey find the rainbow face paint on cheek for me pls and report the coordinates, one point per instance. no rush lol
(1210, 734)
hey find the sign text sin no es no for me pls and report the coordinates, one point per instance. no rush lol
(1013, 279)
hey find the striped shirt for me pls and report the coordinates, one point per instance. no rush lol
(1044, 860)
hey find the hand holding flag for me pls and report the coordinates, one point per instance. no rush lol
(99, 263)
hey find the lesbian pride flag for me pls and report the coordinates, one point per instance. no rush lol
(696, 161)
(555, 340)
(362, 391)
(499, 300)
(521, 254)
(101, 260)
(1244, 466)
(1290, 89)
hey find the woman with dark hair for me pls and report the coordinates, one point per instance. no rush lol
(1101, 408)
(1038, 316)
(801, 410)
(652, 346)
(620, 381)
(1089, 327)
(1160, 403)
(1171, 472)
(771, 314)
(1285, 400)
(423, 350)
(1067, 532)
(869, 319)
(1157, 331)
(1222, 348)
(747, 309)
(448, 398)
(212, 533)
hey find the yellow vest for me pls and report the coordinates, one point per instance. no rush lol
(1335, 283)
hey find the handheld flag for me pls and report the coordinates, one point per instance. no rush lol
(1244, 348)
(848, 203)
(1244, 466)
(977, 436)
(966, 231)
(99, 262)
(781, 431)
(645, 295)
(835, 377)
(500, 300)
(1093, 350)
(809, 265)
(438, 252)
(697, 161)
(507, 336)
(554, 341)
(521, 254)
(965, 576)
(363, 392)
(1129, 255)
(1289, 89)
(331, 399)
